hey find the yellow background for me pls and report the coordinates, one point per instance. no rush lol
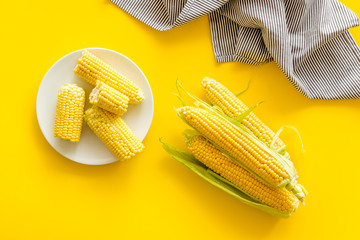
(45, 196)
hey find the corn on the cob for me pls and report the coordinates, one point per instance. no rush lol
(92, 69)
(109, 98)
(232, 106)
(280, 199)
(237, 143)
(114, 132)
(69, 112)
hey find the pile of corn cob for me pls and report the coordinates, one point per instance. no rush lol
(110, 98)
(233, 149)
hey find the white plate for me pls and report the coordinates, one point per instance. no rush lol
(90, 150)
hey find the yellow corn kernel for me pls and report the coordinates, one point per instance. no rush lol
(236, 143)
(114, 132)
(109, 99)
(232, 106)
(92, 69)
(280, 199)
(69, 112)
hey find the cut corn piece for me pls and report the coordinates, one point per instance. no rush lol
(109, 98)
(114, 132)
(69, 112)
(280, 199)
(92, 69)
(250, 153)
(232, 106)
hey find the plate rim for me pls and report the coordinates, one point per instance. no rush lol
(80, 50)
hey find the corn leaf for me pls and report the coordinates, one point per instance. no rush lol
(246, 113)
(247, 88)
(200, 169)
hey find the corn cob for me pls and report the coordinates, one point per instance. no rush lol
(281, 199)
(92, 69)
(69, 112)
(232, 106)
(109, 99)
(242, 146)
(114, 132)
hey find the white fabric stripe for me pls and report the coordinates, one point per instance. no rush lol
(335, 85)
(173, 8)
(222, 31)
(308, 39)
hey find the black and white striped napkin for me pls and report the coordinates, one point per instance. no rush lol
(309, 39)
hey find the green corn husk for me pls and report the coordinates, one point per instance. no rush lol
(290, 184)
(243, 91)
(200, 169)
(239, 118)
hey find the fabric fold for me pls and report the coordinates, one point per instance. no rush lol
(308, 39)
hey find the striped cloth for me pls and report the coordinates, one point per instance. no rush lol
(308, 39)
